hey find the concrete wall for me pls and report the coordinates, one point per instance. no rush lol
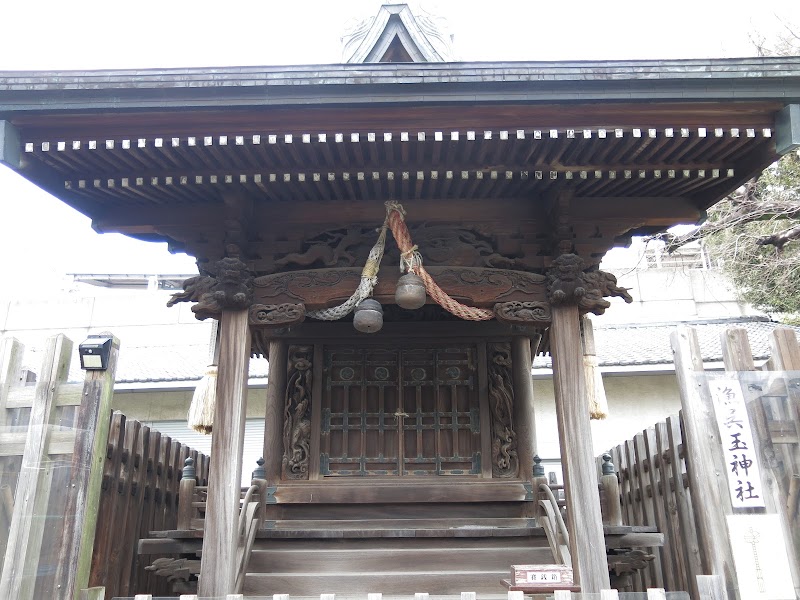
(635, 402)
(674, 295)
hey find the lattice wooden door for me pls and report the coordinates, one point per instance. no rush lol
(400, 411)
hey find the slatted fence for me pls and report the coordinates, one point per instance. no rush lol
(41, 426)
(141, 480)
(654, 490)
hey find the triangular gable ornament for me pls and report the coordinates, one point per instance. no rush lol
(398, 34)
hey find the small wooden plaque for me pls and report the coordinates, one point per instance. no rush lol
(544, 578)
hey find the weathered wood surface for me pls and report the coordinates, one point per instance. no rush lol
(321, 288)
(402, 492)
(584, 516)
(654, 491)
(93, 420)
(133, 500)
(219, 565)
(273, 418)
(524, 414)
(706, 465)
(11, 351)
(20, 566)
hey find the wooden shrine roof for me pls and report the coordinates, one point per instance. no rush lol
(154, 153)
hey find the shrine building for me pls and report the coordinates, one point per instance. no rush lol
(397, 422)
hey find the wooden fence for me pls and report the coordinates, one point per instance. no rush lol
(78, 467)
(673, 476)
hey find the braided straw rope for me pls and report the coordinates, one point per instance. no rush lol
(413, 261)
(369, 278)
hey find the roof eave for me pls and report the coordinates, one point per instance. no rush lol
(352, 84)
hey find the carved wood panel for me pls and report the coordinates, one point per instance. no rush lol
(297, 413)
(505, 462)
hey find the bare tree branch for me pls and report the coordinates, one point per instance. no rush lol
(781, 238)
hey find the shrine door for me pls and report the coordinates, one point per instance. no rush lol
(400, 411)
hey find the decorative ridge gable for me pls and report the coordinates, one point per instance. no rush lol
(397, 35)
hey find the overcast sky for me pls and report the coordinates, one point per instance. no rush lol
(41, 237)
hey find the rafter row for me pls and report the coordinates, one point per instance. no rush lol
(404, 136)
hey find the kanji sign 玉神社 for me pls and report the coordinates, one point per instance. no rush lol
(738, 446)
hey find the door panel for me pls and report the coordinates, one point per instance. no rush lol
(400, 411)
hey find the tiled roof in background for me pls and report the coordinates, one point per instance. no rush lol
(643, 344)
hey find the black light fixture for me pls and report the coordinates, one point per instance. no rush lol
(94, 352)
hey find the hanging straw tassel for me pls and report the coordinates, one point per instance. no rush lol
(201, 411)
(595, 390)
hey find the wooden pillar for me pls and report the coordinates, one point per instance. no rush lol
(584, 520)
(218, 566)
(273, 419)
(524, 418)
(86, 473)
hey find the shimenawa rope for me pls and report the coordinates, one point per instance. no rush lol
(369, 278)
(412, 261)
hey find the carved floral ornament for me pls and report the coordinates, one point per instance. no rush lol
(566, 282)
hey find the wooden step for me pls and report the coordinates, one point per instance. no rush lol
(386, 582)
(440, 528)
(488, 543)
(346, 558)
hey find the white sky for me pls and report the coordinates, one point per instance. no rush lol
(41, 238)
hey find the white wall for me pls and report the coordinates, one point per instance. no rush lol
(635, 402)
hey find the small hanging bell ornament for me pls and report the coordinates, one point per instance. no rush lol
(368, 316)
(410, 293)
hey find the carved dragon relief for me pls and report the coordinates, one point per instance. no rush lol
(505, 462)
(297, 413)
(439, 244)
(569, 284)
(523, 313)
(231, 289)
(277, 315)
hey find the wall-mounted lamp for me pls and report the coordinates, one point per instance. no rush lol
(94, 352)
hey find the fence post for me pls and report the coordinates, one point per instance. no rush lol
(610, 486)
(33, 486)
(93, 422)
(11, 351)
(186, 495)
(705, 462)
(711, 587)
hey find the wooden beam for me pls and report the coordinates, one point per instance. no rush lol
(704, 458)
(219, 569)
(585, 522)
(33, 486)
(194, 122)
(280, 216)
(88, 457)
(322, 288)
(10, 146)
